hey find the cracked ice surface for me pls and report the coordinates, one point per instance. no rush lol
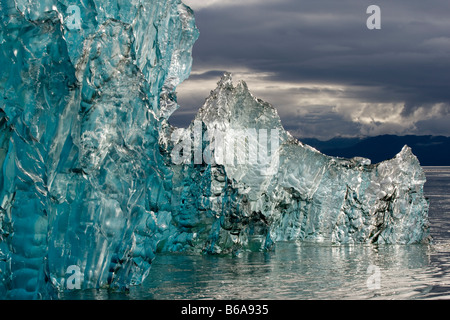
(83, 179)
(88, 177)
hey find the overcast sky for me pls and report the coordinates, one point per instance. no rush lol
(320, 66)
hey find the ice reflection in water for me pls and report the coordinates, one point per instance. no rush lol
(298, 271)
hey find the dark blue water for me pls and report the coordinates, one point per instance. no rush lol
(300, 271)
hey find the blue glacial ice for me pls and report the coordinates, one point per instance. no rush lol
(90, 177)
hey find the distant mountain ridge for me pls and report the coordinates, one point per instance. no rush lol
(430, 150)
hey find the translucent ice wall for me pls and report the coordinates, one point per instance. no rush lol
(81, 86)
(94, 181)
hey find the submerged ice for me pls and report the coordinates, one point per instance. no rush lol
(93, 177)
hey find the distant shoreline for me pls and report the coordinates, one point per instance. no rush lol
(430, 150)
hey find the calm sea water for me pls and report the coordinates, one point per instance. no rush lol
(299, 271)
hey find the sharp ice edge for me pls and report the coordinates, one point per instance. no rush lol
(85, 147)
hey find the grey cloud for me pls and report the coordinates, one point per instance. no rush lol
(327, 42)
(320, 126)
(275, 38)
(437, 126)
(208, 75)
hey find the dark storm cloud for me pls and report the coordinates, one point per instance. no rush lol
(211, 74)
(437, 126)
(325, 41)
(313, 125)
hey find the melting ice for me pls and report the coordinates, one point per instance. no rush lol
(88, 181)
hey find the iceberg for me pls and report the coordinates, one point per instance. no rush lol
(95, 182)
(295, 194)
